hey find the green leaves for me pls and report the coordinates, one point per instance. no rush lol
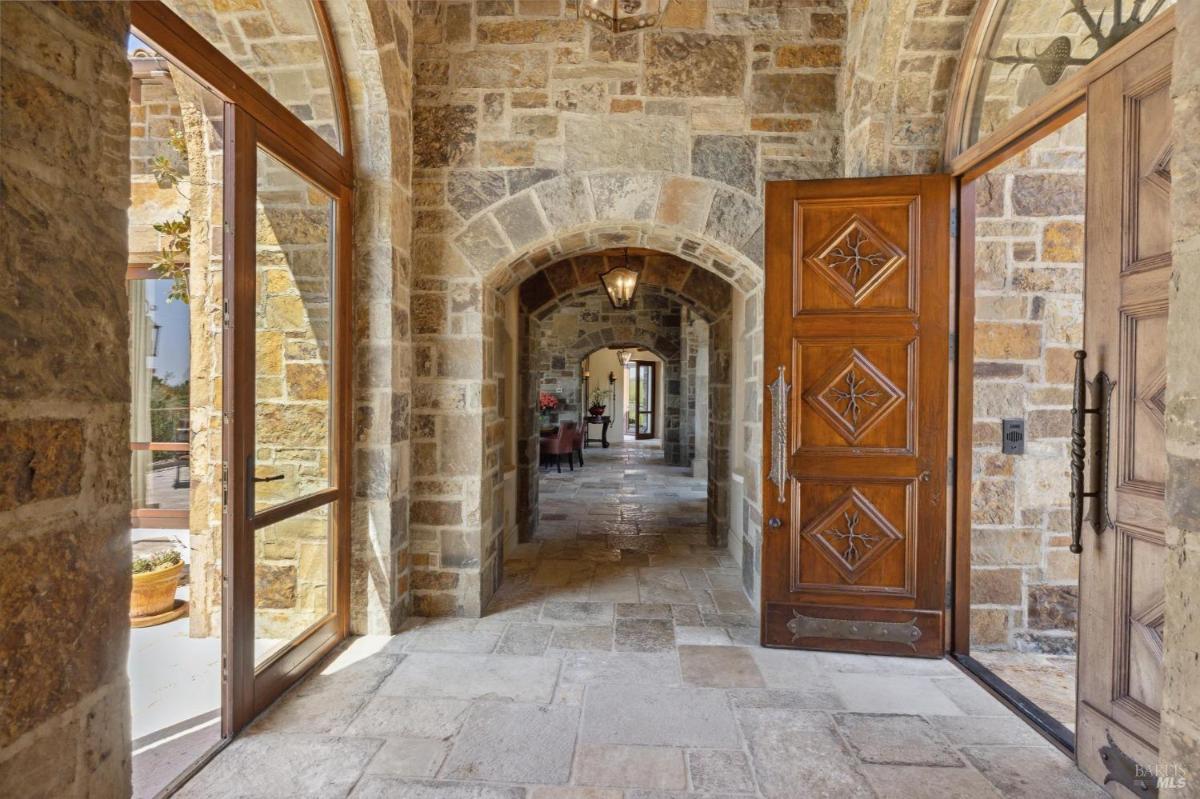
(173, 259)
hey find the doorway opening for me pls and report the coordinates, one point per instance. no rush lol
(634, 386)
(1029, 320)
(175, 301)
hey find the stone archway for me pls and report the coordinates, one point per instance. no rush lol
(461, 276)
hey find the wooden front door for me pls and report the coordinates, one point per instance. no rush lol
(1128, 243)
(856, 414)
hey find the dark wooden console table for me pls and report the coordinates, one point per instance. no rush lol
(604, 422)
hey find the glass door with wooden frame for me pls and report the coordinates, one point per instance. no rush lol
(282, 247)
(289, 437)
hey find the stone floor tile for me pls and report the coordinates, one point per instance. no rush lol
(972, 730)
(376, 786)
(625, 668)
(928, 782)
(409, 757)
(722, 771)
(590, 613)
(657, 767)
(895, 740)
(744, 636)
(814, 697)
(356, 667)
(323, 712)
(409, 717)
(702, 636)
(883, 664)
(520, 678)
(687, 615)
(719, 667)
(644, 635)
(887, 693)
(789, 669)
(658, 716)
(514, 742)
(731, 601)
(572, 792)
(1029, 772)
(971, 697)
(524, 639)
(791, 748)
(284, 766)
(643, 610)
(452, 641)
(597, 639)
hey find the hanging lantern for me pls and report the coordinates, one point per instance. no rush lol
(620, 282)
(623, 356)
(623, 16)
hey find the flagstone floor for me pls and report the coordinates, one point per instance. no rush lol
(620, 661)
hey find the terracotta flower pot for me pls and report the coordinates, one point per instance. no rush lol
(154, 592)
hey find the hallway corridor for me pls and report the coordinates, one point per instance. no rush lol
(620, 659)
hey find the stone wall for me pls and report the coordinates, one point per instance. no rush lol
(374, 41)
(64, 400)
(1179, 742)
(694, 413)
(901, 63)
(1028, 322)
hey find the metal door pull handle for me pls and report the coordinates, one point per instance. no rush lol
(1102, 388)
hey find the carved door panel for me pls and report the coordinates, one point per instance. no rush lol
(855, 429)
(1128, 268)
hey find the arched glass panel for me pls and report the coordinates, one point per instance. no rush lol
(1035, 44)
(277, 43)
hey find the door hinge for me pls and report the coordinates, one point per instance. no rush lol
(224, 484)
(954, 223)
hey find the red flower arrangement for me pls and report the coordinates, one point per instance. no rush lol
(547, 402)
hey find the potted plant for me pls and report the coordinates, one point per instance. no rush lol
(598, 405)
(155, 579)
(547, 402)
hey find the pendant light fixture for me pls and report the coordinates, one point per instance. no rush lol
(623, 16)
(620, 282)
(623, 356)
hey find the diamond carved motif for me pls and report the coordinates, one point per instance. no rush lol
(853, 396)
(852, 535)
(1159, 173)
(856, 259)
(1154, 398)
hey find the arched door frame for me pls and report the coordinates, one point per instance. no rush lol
(1063, 104)
(255, 120)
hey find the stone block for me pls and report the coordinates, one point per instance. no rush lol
(996, 586)
(443, 135)
(529, 31)
(520, 220)
(992, 502)
(39, 459)
(629, 143)
(793, 93)
(624, 196)
(1053, 607)
(1048, 194)
(998, 340)
(729, 159)
(1063, 241)
(500, 69)
(694, 65)
(471, 191)
(808, 55)
(1005, 547)
(506, 153)
(989, 627)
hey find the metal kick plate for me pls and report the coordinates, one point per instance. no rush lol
(888, 632)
